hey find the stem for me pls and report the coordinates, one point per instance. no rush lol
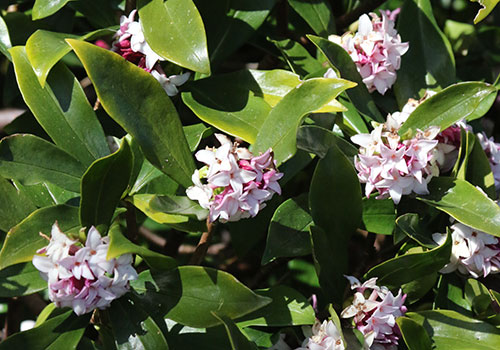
(13, 319)
(367, 6)
(202, 247)
(129, 6)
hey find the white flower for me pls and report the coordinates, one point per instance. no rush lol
(170, 83)
(325, 336)
(59, 245)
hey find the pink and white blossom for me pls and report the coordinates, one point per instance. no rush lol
(82, 277)
(492, 150)
(325, 336)
(374, 311)
(235, 182)
(376, 49)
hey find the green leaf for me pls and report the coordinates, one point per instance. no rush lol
(58, 333)
(416, 229)
(23, 240)
(414, 335)
(297, 57)
(178, 205)
(340, 59)
(195, 133)
(133, 328)
(45, 8)
(450, 295)
(486, 7)
(103, 185)
(239, 102)
(479, 170)
(189, 294)
(465, 203)
(31, 160)
(318, 140)
(175, 31)
(418, 288)
(429, 62)
(119, 245)
(447, 107)
(5, 43)
(236, 338)
(280, 127)
(44, 49)
(379, 215)
(19, 280)
(15, 205)
(288, 233)
(408, 267)
(451, 330)
(477, 295)
(318, 14)
(62, 109)
(144, 111)
(288, 308)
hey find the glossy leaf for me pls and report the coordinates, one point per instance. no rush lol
(415, 228)
(45, 8)
(465, 203)
(238, 103)
(62, 109)
(31, 160)
(5, 43)
(44, 49)
(119, 245)
(318, 140)
(280, 127)
(20, 279)
(103, 185)
(410, 266)
(449, 329)
(418, 288)
(195, 133)
(429, 62)
(413, 334)
(178, 205)
(288, 233)
(318, 14)
(15, 205)
(449, 106)
(479, 170)
(175, 31)
(340, 59)
(145, 111)
(189, 294)
(133, 328)
(379, 215)
(486, 7)
(61, 332)
(297, 57)
(23, 240)
(237, 339)
(288, 308)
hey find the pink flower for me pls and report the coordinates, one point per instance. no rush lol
(235, 182)
(325, 336)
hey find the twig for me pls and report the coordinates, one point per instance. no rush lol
(129, 6)
(13, 319)
(365, 7)
(202, 247)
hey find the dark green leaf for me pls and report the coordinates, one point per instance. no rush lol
(477, 295)
(23, 240)
(451, 330)
(318, 140)
(15, 205)
(288, 233)
(280, 127)
(479, 170)
(429, 62)
(450, 295)
(45, 8)
(379, 215)
(31, 160)
(133, 328)
(20, 279)
(62, 332)
(103, 185)
(414, 335)
(297, 57)
(175, 31)
(408, 267)
(62, 109)
(318, 14)
(119, 245)
(340, 59)
(189, 294)
(449, 106)
(288, 308)
(144, 111)
(464, 202)
(416, 229)
(236, 338)
(419, 287)
(195, 133)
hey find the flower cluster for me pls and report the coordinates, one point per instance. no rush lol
(473, 252)
(492, 150)
(392, 166)
(375, 313)
(236, 183)
(376, 49)
(81, 277)
(325, 336)
(131, 44)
